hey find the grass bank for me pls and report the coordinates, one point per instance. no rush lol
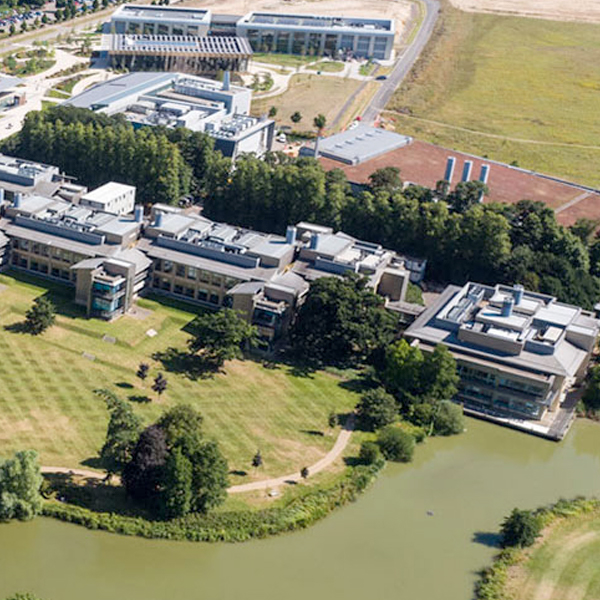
(563, 563)
(229, 526)
(47, 401)
(524, 80)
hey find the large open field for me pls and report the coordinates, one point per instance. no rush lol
(310, 95)
(47, 401)
(512, 89)
(564, 565)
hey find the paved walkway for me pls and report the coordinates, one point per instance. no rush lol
(339, 446)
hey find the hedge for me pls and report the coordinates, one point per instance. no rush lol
(232, 526)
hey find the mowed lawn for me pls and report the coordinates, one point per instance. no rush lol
(517, 78)
(310, 95)
(47, 401)
(564, 565)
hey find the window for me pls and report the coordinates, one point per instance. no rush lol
(217, 280)
(180, 271)
(192, 272)
(202, 295)
(178, 289)
(230, 282)
(205, 276)
(177, 30)
(214, 299)
(163, 29)
(167, 266)
(189, 292)
(24, 245)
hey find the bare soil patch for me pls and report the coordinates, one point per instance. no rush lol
(586, 11)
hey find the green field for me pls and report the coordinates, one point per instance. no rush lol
(564, 565)
(47, 401)
(328, 66)
(284, 60)
(513, 89)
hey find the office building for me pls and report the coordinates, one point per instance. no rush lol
(219, 109)
(518, 352)
(89, 250)
(160, 20)
(314, 35)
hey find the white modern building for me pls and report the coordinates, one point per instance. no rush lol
(318, 35)
(176, 100)
(288, 33)
(160, 20)
(112, 197)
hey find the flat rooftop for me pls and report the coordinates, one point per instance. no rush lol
(161, 13)
(316, 21)
(103, 94)
(358, 145)
(180, 44)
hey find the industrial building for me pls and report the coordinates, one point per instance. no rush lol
(11, 94)
(310, 35)
(337, 37)
(112, 197)
(518, 352)
(177, 100)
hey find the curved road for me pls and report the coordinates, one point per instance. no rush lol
(404, 63)
(339, 446)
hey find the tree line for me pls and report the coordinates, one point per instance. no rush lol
(461, 238)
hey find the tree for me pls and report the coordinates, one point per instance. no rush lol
(296, 117)
(396, 444)
(333, 420)
(160, 384)
(220, 336)
(341, 322)
(177, 485)
(122, 434)
(304, 472)
(387, 179)
(376, 409)
(402, 371)
(142, 371)
(20, 483)
(12, 29)
(272, 112)
(143, 474)
(591, 395)
(521, 528)
(40, 316)
(319, 122)
(448, 419)
(210, 477)
(257, 460)
(182, 426)
(439, 375)
(467, 194)
(369, 453)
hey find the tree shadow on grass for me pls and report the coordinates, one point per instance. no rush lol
(191, 365)
(140, 399)
(124, 385)
(19, 327)
(487, 538)
(94, 494)
(94, 462)
(313, 432)
(238, 472)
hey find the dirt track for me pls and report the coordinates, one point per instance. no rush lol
(559, 10)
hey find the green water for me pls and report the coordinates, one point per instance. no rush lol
(383, 547)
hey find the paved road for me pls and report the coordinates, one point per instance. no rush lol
(404, 63)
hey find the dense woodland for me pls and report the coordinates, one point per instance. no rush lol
(461, 238)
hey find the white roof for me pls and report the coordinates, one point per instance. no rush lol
(105, 193)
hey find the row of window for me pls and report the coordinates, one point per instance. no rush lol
(45, 250)
(201, 294)
(166, 266)
(40, 267)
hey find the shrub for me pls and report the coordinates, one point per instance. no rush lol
(520, 528)
(449, 419)
(396, 444)
(369, 453)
